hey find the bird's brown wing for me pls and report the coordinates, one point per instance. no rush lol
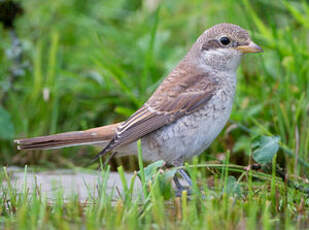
(181, 93)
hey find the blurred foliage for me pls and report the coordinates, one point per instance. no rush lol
(82, 64)
(265, 149)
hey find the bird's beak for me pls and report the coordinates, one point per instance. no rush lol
(250, 48)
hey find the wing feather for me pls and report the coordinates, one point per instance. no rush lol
(178, 95)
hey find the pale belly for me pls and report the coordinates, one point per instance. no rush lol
(188, 136)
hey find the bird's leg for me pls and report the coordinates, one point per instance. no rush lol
(178, 184)
(179, 187)
(185, 176)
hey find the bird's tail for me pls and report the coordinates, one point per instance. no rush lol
(96, 136)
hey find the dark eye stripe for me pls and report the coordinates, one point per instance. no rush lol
(242, 43)
(211, 44)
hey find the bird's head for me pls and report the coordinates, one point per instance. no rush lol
(222, 46)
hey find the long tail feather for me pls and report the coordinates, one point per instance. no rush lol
(96, 136)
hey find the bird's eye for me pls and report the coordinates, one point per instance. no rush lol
(225, 41)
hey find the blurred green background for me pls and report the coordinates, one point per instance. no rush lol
(76, 64)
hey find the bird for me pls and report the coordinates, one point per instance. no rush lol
(184, 114)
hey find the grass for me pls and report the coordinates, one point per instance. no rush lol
(83, 64)
(216, 202)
